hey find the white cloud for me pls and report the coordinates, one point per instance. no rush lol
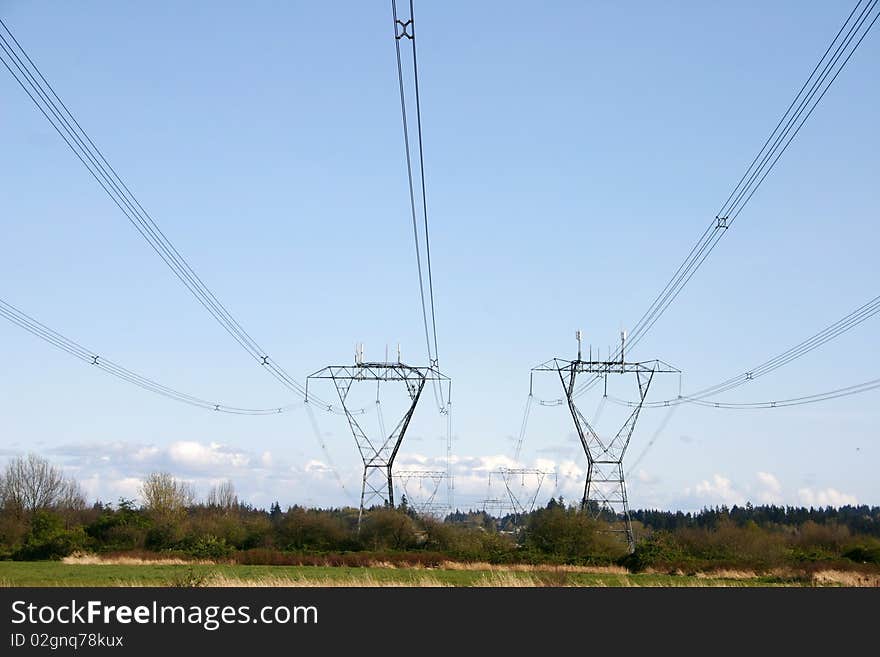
(770, 482)
(719, 490)
(146, 453)
(646, 478)
(108, 471)
(316, 467)
(825, 497)
(770, 491)
(199, 456)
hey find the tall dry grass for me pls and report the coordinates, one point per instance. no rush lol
(845, 578)
(95, 559)
(533, 568)
(366, 581)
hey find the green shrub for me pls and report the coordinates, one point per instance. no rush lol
(388, 529)
(163, 536)
(122, 529)
(660, 549)
(205, 547)
(568, 535)
(863, 554)
(301, 529)
(48, 539)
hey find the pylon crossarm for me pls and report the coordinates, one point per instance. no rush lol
(605, 366)
(379, 372)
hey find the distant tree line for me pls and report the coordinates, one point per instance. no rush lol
(44, 515)
(861, 519)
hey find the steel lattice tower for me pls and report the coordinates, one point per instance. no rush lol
(423, 503)
(605, 485)
(377, 452)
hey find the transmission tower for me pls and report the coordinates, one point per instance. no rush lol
(378, 452)
(420, 488)
(523, 501)
(605, 486)
(495, 506)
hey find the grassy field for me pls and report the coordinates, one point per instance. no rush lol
(53, 573)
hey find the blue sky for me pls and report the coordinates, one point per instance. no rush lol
(574, 153)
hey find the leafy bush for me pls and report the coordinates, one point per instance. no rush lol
(122, 529)
(48, 539)
(302, 529)
(205, 547)
(388, 529)
(568, 535)
(659, 550)
(863, 554)
(164, 536)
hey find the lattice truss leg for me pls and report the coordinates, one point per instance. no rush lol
(605, 486)
(378, 454)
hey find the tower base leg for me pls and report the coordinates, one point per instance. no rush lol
(377, 488)
(605, 498)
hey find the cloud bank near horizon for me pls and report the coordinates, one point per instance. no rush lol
(109, 471)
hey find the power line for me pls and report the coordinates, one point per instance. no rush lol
(405, 29)
(856, 389)
(40, 330)
(795, 401)
(823, 75)
(522, 428)
(26, 73)
(843, 325)
(48, 102)
(93, 358)
(657, 433)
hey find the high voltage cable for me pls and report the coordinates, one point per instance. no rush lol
(841, 326)
(48, 102)
(856, 389)
(40, 330)
(522, 428)
(794, 401)
(530, 400)
(43, 95)
(406, 29)
(657, 432)
(823, 75)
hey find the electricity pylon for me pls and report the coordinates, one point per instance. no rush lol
(378, 452)
(605, 486)
(422, 498)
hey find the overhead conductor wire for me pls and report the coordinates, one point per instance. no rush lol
(823, 75)
(47, 101)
